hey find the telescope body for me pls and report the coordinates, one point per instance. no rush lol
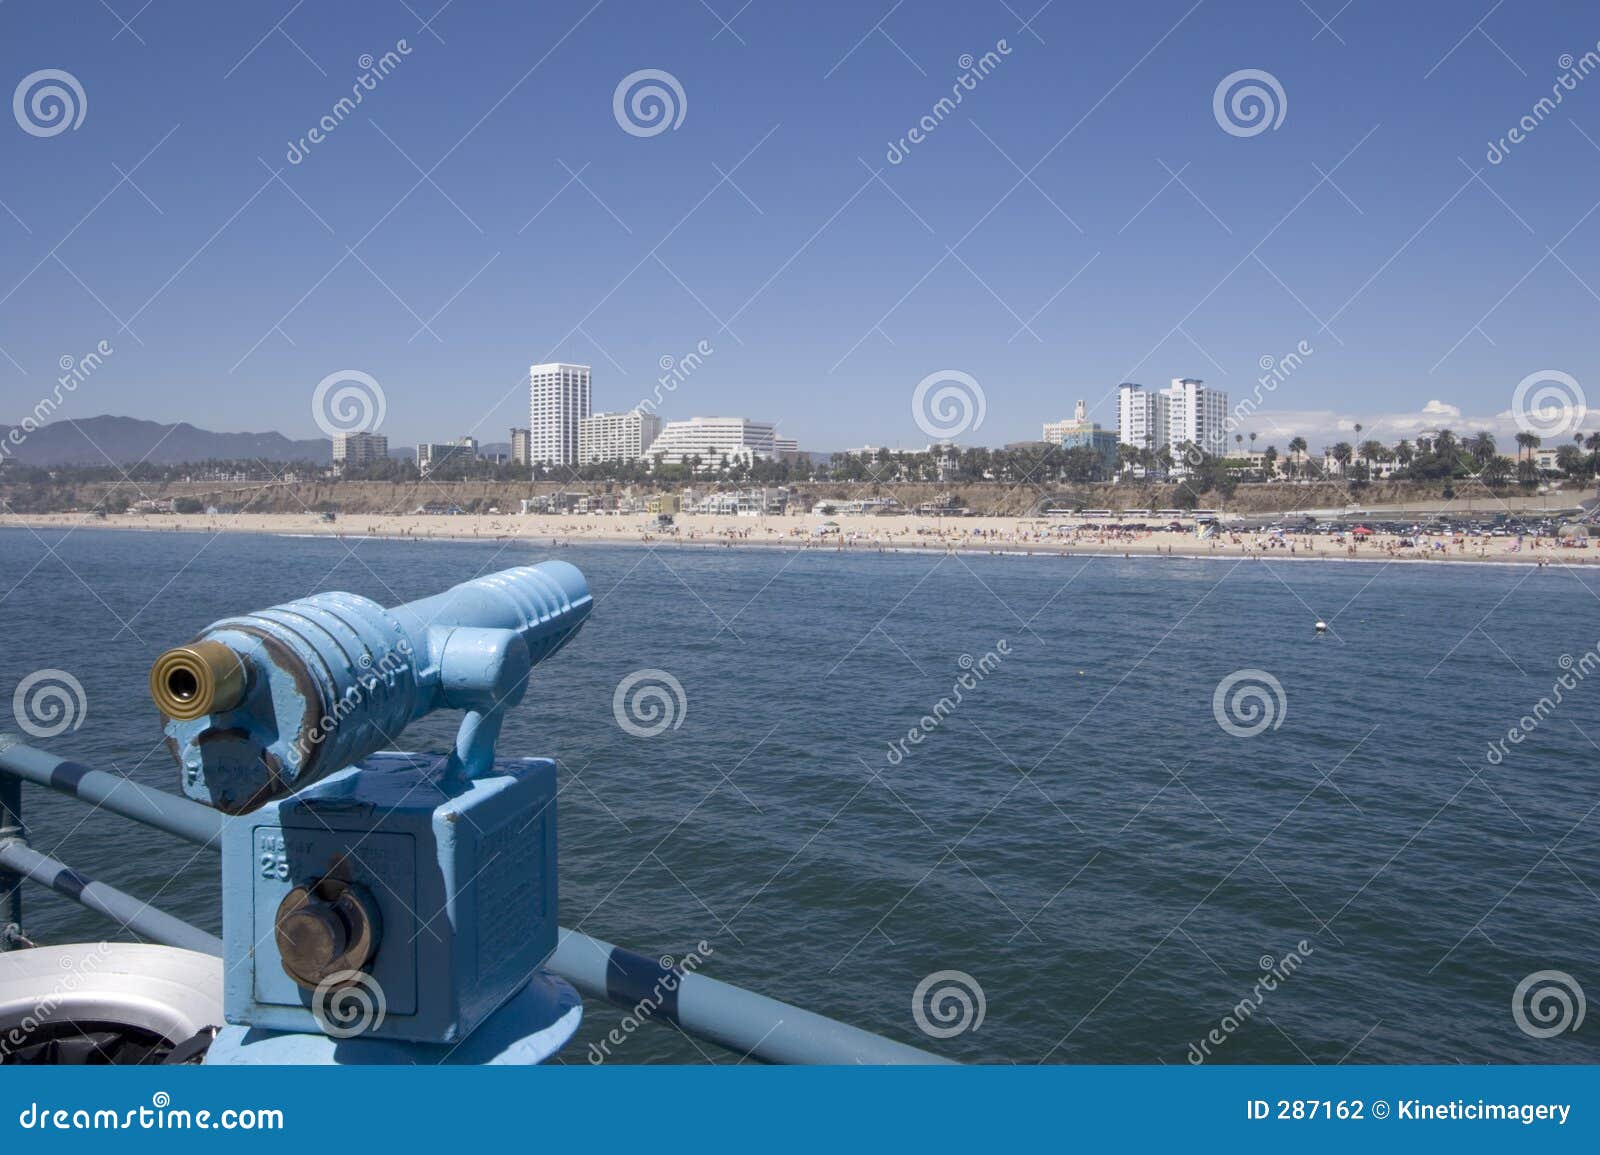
(375, 897)
(261, 705)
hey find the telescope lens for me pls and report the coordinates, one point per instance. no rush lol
(193, 681)
(182, 684)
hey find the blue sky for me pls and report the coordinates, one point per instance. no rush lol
(1080, 219)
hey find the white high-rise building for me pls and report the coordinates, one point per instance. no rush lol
(559, 401)
(1197, 415)
(1186, 412)
(357, 449)
(616, 436)
(712, 438)
(1143, 417)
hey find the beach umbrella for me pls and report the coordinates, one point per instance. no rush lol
(1361, 531)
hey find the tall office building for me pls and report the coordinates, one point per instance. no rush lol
(559, 400)
(519, 446)
(616, 436)
(357, 449)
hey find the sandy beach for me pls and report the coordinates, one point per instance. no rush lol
(997, 535)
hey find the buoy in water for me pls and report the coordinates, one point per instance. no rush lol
(1321, 627)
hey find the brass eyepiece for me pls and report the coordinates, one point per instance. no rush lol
(196, 680)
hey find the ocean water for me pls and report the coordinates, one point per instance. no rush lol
(1079, 836)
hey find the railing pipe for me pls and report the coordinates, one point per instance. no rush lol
(11, 834)
(741, 1020)
(132, 913)
(188, 820)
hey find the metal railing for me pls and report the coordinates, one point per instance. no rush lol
(728, 1016)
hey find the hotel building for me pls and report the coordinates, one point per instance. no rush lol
(1081, 433)
(616, 436)
(711, 438)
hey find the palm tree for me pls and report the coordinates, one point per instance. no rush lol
(1481, 446)
(1528, 442)
(1297, 453)
(1358, 432)
(1342, 453)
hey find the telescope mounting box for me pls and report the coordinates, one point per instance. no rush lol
(443, 896)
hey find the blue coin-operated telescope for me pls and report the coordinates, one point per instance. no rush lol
(399, 896)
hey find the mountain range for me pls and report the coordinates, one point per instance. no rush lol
(126, 440)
